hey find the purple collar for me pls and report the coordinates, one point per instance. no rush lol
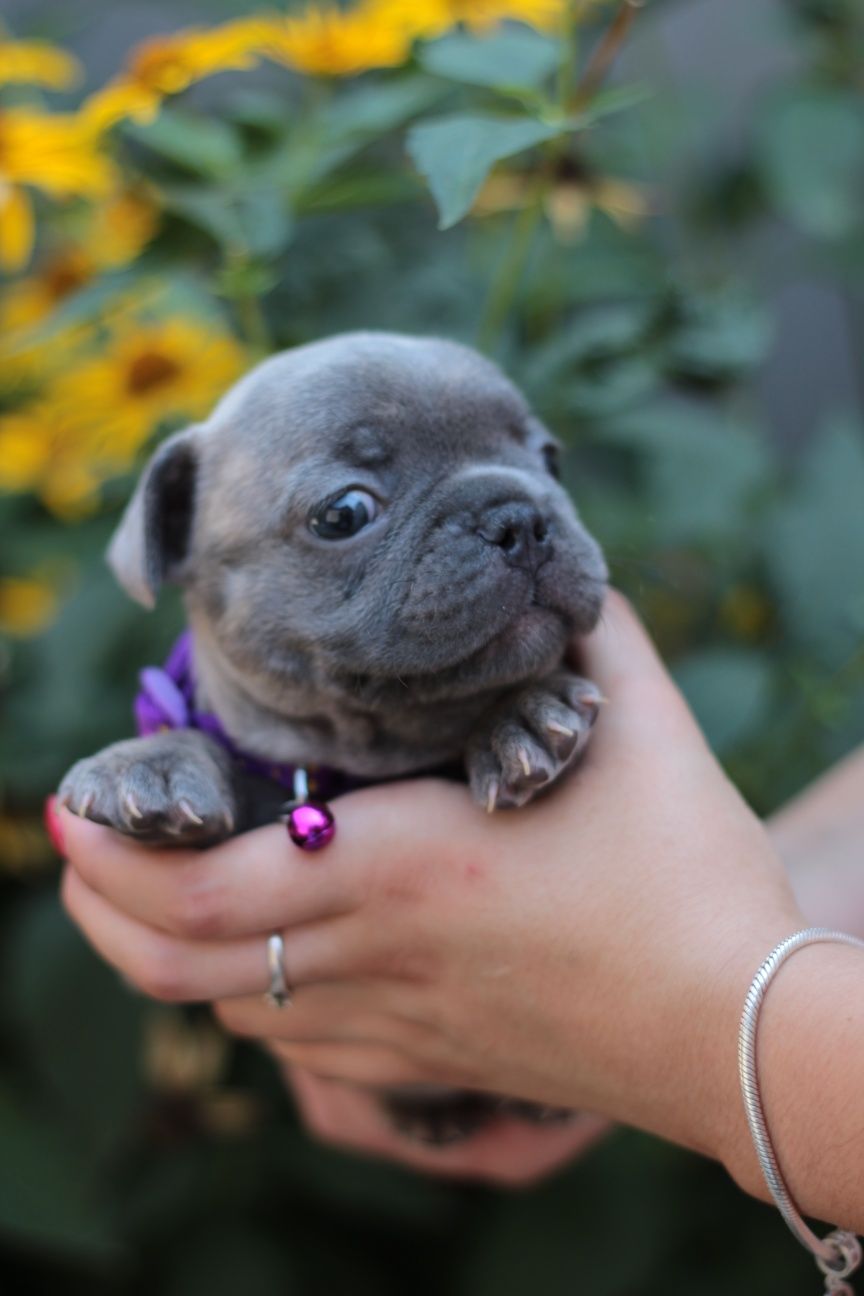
(166, 700)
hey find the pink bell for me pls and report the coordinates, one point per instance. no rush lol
(310, 824)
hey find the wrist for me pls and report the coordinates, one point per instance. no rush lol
(810, 1066)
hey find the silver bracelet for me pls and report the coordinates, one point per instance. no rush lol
(839, 1254)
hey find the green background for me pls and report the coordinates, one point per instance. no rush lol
(719, 460)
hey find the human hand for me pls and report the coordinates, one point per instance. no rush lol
(509, 1153)
(591, 950)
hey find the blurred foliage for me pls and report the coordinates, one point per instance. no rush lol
(480, 183)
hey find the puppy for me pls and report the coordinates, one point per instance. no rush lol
(381, 574)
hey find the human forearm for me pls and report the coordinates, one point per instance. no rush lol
(819, 835)
(811, 1071)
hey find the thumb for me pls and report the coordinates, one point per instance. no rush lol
(620, 657)
(619, 649)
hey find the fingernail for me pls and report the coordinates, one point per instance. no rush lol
(52, 825)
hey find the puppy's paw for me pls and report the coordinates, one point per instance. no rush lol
(440, 1121)
(169, 789)
(530, 739)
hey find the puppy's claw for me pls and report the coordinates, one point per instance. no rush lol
(228, 820)
(84, 805)
(132, 807)
(524, 761)
(492, 796)
(188, 813)
(593, 699)
(554, 727)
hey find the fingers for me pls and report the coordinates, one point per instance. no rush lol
(645, 706)
(256, 882)
(260, 881)
(619, 647)
(366, 1063)
(508, 1153)
(176, 970)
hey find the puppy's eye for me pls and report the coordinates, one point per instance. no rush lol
(344, 516)
(552, 460)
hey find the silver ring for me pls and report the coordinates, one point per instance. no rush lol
(279, 992)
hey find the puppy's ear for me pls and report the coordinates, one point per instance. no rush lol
(153, 537)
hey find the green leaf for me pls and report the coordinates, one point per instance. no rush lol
(617, 99)
(512, 58)
(456, 153)
(717, 338)
(325, 140)
(814, 547)
(205, 208)
(204, 145)
(374, 110)
(810, 146)
(730, 691)
(703, 472)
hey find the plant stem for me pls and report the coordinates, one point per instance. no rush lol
(253, 323)
(506, 281)
(505, 285)
(605, 54)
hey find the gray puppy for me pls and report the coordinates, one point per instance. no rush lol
(381, 574)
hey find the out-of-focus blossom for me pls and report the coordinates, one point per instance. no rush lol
(746, 612)
(432, 17)
(27, 605)
(568, 201)
(56, 153)
(91, 420)
(112, 234)
(35, 62)
(328, 41)
(165, 65)
(23, 848)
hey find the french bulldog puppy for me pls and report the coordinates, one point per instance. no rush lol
(381, 574)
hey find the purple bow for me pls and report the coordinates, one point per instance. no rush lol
(166, 700)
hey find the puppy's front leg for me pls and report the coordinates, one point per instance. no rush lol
(174, 789)
(527, 741)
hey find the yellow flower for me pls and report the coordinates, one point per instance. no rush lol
(118, 230)
(432, 17)
(112, 234)
(165, 65)
(149, 372)
(62, 272)
(329, 41)
(52, 152)
(37, 63)
(92, 419)
(23, 847)
(27, 605)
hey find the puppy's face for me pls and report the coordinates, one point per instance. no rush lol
(371, 508)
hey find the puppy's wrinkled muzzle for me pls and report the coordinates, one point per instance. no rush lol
(520, 532)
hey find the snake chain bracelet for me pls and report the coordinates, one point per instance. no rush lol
(839, 1254)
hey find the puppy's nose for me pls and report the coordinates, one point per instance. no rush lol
(520, 531)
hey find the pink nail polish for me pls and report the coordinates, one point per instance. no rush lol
(52, 825)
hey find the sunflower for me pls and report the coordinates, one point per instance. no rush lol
(165, 65)
(330, 41)
(56, 153)
(110, 234)
(91, 420)
(37, 63)
(429, 18)
(27, 604)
